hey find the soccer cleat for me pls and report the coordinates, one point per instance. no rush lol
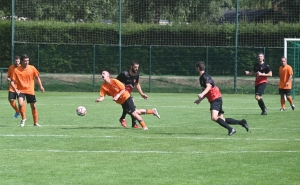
(22, 124)
(264, 112)
(135, 126)
(245, 125)
(36, 125)
(293, 107)
(155, 113)
(123, 122)
(16, 115)
(233, 131)
(281, 109)
(145, 128)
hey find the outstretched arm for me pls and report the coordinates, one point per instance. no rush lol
(100, 99)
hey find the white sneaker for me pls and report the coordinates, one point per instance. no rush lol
(22, 124)
(145, 128)
(36, 125)
(155, 113)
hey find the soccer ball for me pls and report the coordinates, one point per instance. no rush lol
(81, 111)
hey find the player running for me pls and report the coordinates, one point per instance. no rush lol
(214, 97)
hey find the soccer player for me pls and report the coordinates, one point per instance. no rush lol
(214, 97)
(12, 96)
(24, 76)
(116, 89)
(285, 84)
(130, 79)
(261, 70)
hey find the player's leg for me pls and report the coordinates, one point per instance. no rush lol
(32, 101)
(22, 108)
(122, 118)
(289, 98)
(242, 122)
(128, 105)
(133, 121)
(282, 99)
(259, 91)
(148, 111)
(217, 115)
(11, 98)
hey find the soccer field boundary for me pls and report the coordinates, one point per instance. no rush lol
(153, 152)
(147, 137)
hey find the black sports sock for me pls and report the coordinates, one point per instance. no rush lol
(261, 104)
(233, 121)
(223, 124)
(133, 119)
(123, 114)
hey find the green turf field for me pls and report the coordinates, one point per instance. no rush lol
(184, 147)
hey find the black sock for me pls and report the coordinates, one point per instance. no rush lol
(233, 121)
(223, 124)
(133, 119)
(123, 114)
(261, 104)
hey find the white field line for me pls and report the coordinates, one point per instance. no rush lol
(153, 152)
(147, 137)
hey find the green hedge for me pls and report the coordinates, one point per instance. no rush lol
(69, 57)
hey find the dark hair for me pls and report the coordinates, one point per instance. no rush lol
(134, 62)
(201, 65)
(16, 57)
(24, 56)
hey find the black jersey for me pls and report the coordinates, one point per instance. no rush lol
(214, 92)
(263, 68)
(205, 79)
(128, 80)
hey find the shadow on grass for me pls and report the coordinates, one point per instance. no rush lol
(93, 128)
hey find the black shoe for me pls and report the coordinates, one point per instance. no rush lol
(233, 131)
(293, 107)
(245, 125)
(264, 113)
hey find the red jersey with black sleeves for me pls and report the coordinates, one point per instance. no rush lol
(214, 92)
(128, 80)
(263, 68)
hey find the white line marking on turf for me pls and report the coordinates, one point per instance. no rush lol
(154, 152)
(146, 137)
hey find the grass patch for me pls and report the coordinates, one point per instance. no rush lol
(184, 147)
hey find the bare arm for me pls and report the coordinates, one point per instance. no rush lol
(100, 99)
(12, 83)
(263, 74)
(249, 72)
(139, 88)
(40, 83)
(201, 96)
(118, 95)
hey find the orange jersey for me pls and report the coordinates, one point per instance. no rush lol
(10, 74)
(25, 78)
(284, 75)
(113, 88)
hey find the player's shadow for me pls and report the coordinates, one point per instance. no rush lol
(110, 128)
(171, 134)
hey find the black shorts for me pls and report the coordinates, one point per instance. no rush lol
(285, 91)
(29, 98)
(128, 106)
(12, 95)
(260, 89)
(217, 105)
